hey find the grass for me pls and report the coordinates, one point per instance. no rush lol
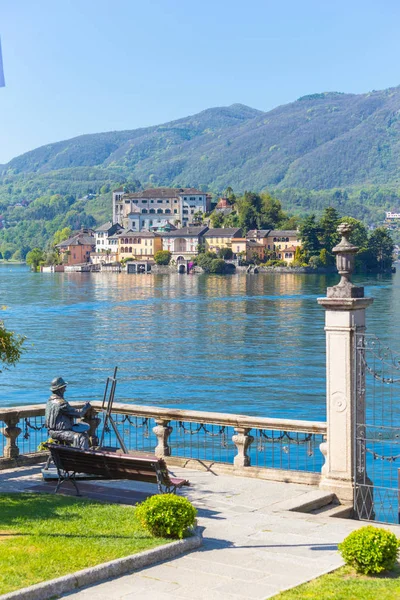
(44, 536)
(346, 584)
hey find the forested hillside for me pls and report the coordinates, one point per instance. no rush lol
(324, 149)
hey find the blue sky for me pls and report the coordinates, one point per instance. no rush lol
(85, 66)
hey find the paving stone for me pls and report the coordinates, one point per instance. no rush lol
(251, 548)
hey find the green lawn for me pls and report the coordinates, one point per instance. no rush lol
(345, 584)
(43, 536)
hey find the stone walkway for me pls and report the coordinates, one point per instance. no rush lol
(253, 547)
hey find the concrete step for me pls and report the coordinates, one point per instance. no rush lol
(339, 511)
(308, 502)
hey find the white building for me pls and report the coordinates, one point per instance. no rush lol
(183, 243)
(159, 205)
(105, 242)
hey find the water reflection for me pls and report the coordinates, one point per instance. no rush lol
(248, 343)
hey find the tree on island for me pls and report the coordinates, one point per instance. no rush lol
(10, 347)
(163, 257)
(34, 258)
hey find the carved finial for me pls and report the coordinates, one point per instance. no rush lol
(345, 254)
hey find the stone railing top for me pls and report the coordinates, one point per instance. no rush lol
(174, 414)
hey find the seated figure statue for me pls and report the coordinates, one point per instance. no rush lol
(60, 417)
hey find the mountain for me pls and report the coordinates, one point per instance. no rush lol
(321, 141)
(325, 149)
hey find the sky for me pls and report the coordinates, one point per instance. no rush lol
(85, 66)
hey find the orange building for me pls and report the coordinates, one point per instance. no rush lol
(76, 250)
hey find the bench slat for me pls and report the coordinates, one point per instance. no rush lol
(107, 465)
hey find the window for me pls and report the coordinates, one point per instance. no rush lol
(167, 211)
(175, 201)
(98, 242)
(175, 211)
(192, 199)
(159, 201)
(151, 201)
(150, 223)
(159, 211)
(152, 211)
(145, 242)
(144, 201)
(185, 212)
(192, 212)
(130, 249)
(144, 211)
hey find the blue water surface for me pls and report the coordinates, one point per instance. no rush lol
(252, 344)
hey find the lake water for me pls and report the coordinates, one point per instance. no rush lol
(252, 344)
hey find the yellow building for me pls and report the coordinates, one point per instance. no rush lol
(139, 245)
(281, 239)
(216, 239)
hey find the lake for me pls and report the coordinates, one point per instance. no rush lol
(252, 344)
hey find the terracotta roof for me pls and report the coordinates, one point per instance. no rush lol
(290, 249)
(165, 192)
(109, 227)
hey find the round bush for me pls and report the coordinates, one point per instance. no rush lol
(166, 515)
(370, 550)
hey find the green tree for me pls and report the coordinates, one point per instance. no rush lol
(34, 258)
(163, 257)
(217, 219)
(10, 347)
(225, 253)
(380, 250)
(328, 224)
(309, 235)
(7, 254)
(61, 235)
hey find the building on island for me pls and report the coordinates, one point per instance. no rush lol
(77, 249)
(183, 243)
(138, 245)
(218, 238)
(105, 237)
(148, 208)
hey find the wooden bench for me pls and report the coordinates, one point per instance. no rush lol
(145, 467)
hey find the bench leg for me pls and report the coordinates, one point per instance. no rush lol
(66, 477)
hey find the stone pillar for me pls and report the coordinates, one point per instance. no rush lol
(162, 431)
(242, 441)
(345, 316)
(11, 431)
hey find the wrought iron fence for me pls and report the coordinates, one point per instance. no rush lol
(377, 417)
(214, 437)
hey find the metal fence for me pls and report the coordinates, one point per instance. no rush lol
(377, 431)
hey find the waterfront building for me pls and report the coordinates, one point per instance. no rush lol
(77, 249)
(138, 245)
(218, 238)
(177, 206)
(183, 243)
(105, 239)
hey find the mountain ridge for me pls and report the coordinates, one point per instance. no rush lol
(320, 141)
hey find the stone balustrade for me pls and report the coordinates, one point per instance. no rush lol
(280, 449)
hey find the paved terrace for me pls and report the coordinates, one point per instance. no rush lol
(254, 546)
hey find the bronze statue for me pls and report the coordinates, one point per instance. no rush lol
(60, 417)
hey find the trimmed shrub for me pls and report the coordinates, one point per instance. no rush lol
(166, 515)
(163, 257)
(217, 266)
(370, 550)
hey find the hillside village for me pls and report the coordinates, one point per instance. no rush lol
(173, 221)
